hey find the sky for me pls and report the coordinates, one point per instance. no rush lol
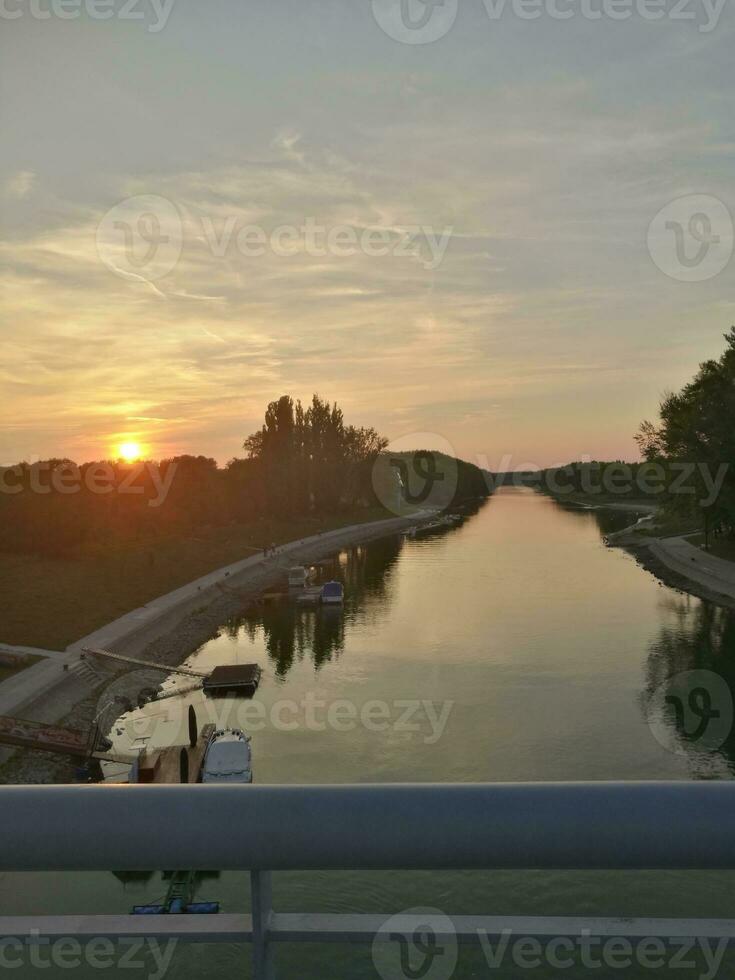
(479, 269)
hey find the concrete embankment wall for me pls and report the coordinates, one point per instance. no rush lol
(137, 629)
(171, 627)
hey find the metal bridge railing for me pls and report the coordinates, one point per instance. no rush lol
(260, 829)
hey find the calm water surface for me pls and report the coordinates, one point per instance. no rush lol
(514, 647)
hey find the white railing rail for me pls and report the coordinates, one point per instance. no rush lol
(260, 829)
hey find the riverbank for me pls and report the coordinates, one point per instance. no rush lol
(601, 501)
(77, 595)
(681, 565)
(672, 558)
(65, 690)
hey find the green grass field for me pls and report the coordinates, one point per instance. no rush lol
(50, 603)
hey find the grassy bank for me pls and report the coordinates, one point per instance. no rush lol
(50, 603)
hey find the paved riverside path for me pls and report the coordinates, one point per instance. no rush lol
(20, 652)
(717, 575)
(18, 689)
(22, 688)
(208, 585)
(51, 680)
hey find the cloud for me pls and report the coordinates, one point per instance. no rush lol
(545, 303)
(20, 184)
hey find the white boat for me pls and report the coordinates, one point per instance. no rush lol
(332, 593)
(298, 576)
(227, 757)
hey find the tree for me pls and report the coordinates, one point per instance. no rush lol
(309, 459)
(695, 441)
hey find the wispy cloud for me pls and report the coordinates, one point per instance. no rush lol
(20, 184)
(545, 312)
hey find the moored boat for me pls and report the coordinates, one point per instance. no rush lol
(332, 593)
(227, 758)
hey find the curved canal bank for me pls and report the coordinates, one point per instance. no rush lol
(674, 560)
(164, 631)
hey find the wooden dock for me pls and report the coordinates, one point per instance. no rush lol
(134, 662)
(242, 679)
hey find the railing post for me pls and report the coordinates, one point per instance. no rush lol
(262, 910)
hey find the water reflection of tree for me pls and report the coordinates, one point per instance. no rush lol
(697, 636)
(292, 632)
(609, 521)
(369, 569)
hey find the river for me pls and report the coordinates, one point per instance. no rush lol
(516, 646)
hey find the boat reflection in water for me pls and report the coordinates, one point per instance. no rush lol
(363, 582)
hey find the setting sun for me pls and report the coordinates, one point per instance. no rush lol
(129, 451)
